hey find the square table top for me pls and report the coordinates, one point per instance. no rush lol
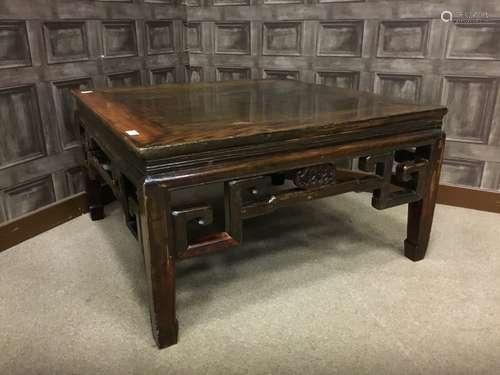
(178, 119)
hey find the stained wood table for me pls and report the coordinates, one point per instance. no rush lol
(260, 145)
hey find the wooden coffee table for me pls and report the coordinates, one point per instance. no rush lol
(262, 145)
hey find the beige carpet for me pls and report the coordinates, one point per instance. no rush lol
(321, 288)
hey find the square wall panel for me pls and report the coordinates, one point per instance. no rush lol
(400, 86)
(232, 38)
(65, 41)
(192, 37)
(340, 38)
(162, 75)
(14, 45)
(230, 74)
(403, 39)
(230, 2)
(344, 80)
(75, 179)
(471, 102)
(160, 37)
(191, 3)
(283, 1)
(474, 41)
(282, 38)
(65, 110)
(28, 197)
(194, 74)
(280, 74)
(21, 136)
(125, 79)
(462, 172)
(119, 38)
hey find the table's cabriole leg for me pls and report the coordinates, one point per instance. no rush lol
(158, 246)
(420, 213)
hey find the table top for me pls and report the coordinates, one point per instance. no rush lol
(177, 119)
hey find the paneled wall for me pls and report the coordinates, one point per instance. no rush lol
(393, 47)
(396, 48)
(48, 48)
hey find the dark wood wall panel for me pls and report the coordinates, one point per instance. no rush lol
(48, 48)
(14, 46)
(29, 196)
(396, 48)
(64, 105)
(21, 137)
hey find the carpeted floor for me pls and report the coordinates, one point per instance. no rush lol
(320, 288)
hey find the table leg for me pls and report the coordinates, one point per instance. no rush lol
(420, 213)
(94, 196)
(157, 241)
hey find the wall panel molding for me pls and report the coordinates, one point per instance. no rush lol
(282, 38)
(119, 39)
(340, 38)
(406, 39)
(474, 41)
(160, 37)
(193, 38)
(401, 86)
(463, 172)
(14, 46)
(471, 101)
(21, 137)
(19, 200)
(66, 41)
(232, 38)
(342, 79)
(65, 107)
(226, 73)
(161, 76)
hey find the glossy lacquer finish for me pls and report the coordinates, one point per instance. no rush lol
(264, 145)
(181, 118)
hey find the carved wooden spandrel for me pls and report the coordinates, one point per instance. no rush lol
(202, 216)
(403, 184)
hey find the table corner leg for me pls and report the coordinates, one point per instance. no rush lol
(421, 213)
(158, 247)
(94, 197)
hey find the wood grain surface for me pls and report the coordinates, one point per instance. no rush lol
(182, 118)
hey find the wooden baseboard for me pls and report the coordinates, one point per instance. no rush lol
(36, 222)
(476, 199)
(41, 220)
(45, 218)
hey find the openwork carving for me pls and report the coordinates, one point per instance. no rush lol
(381, 165)
(408, 182)
(202, 215)
(394, 177)
(412, 175)
(315, 176)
